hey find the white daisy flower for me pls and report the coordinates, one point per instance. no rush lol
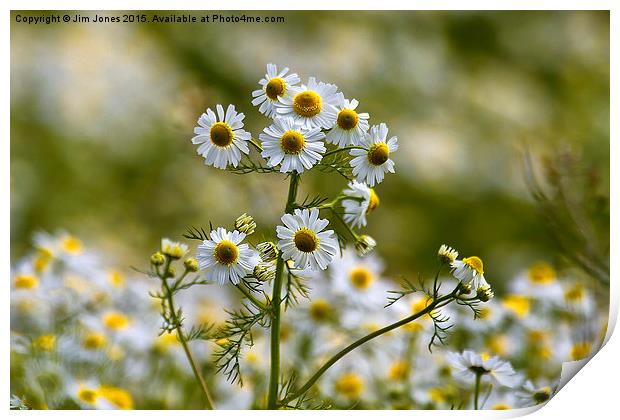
(292, 146)
(372, 160)
(350, 127)
(468, 365)
(531, 395)
(359, 279)
(225, 257)
(447, 254)
(470, 271)
(303, 240)
(312, 105)
(221, 138)
(362, 201)
(273, 86)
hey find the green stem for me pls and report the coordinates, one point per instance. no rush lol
(255, 144)
(477, 390)
(358, 343)
(342, 149)
(251, 297)
(183, 340)
(274, 374)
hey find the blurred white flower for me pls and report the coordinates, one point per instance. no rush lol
(468, 365)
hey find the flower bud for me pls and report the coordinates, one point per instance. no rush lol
(464, 288)
(364, 244)
(158, 259)
(447, 254)
(268, 251)
(191, 265)
(171, 273)
(174, 250)
(245, 224)
(484, 293)
(265, 272)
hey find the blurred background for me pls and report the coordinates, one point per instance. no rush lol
(102, 117)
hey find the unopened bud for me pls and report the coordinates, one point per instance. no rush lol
(191, 265)
(485, 293)
(158, 259)
(268, 251)
(265, 272)
(365, 244)
(245, 224)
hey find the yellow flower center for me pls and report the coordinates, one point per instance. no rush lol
(117, 397)
(350, 385)
(475, 264)
(165, 341)
(307, 104)
(373, 202)
(581, 350)
(399, 370)
(42, 260)
(221, 134)
(275, 87)
(520, 305)
(116, 278)
(498, 344)
(226, 252)
(292, 142)
(542, 273)
(320, 310)
(94, 341)
(347, 119)
(71, 245)
(45, 342)
(378, 154)
(485, 356)
(24, 281)
(305, 240)
(87, 395)
(574, 294)
(361, 278)
(501, 407)
(116, 321)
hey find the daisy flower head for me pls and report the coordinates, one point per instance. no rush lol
(372, 159)
(535, 395)
(291, 145)
(468, 365)
(273, 86)
(311, 105)
(174, 250)
(304, 240)
(226, 258)
(470, 271)
(221, 138)
(447, 254)
(350, 126)
(361, 200)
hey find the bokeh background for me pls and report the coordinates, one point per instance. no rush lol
(102, 116)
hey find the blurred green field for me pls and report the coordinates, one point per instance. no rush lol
(102, 117)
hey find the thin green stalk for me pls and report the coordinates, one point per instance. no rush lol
(342, 149)
(274, 374)
(255, 144)
(477, 390)
(183, 340)
(251, 297)
(360, 342)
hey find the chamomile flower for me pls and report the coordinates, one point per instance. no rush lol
(226, 258)
(534, 395)
(447, 254)
(359, 279)
(273, 86)
(372, 159)
(289, 144)
(174, 250)
(361, 201)
(350, 126)
(221, 138)
(470, 271)
(468, 365)
(311, 105)
(304, 240)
